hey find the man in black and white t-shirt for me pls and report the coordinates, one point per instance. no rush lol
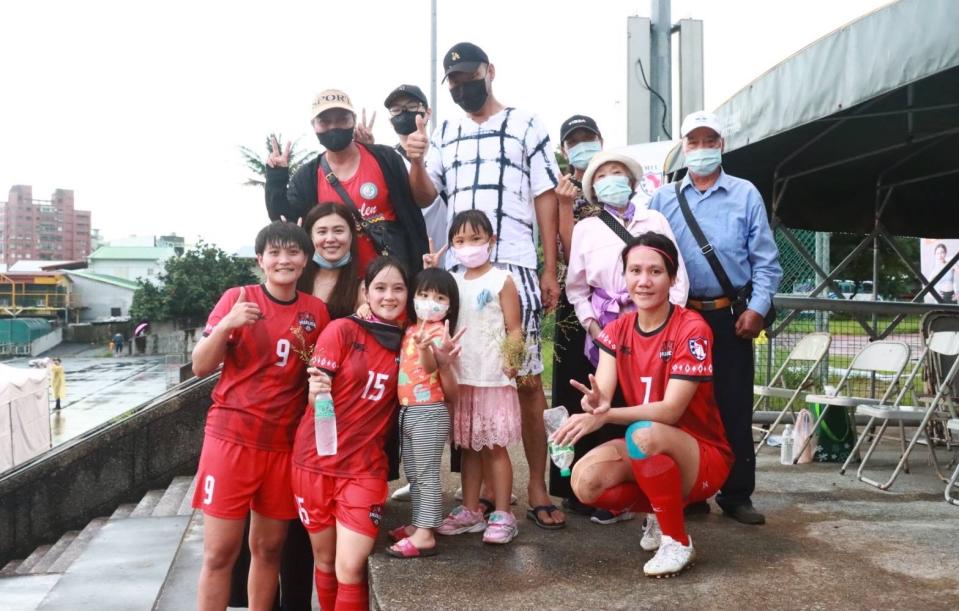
(498, 159)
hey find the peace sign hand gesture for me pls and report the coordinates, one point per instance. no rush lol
(364, 131)
(432, 259)
(449, 348)
(593, 401)
(276, 158)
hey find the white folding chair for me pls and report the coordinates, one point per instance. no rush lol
(806, 356)
(953, 426)
(876, 358)
(940, 343)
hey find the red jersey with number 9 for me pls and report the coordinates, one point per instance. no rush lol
(263, 386)
(364, 400)
(681, 348)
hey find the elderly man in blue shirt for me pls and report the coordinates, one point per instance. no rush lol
(732, 216)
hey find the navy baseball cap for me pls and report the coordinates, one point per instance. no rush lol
(463, 57)
(578, 122)
(411, 91)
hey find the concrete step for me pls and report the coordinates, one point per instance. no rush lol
(10, 568)
(25, 592)
(31, 560)
(145, 507)
(79, 544)
(54, 554)
(123, 511)
(123, 567)
(169, 503)
(186, 507)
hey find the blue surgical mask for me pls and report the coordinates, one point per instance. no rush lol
(345, 259)
(704, 161)
(613, 191)
(581, 154)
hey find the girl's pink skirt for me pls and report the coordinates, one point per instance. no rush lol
(486, 417)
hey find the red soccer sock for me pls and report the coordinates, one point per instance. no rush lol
(658, 476)
(352, 597)
(325, 589)
(622, 496)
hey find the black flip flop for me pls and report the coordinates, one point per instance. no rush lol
(533, 514)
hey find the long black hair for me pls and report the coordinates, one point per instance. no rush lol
(342, 300)
(441, 281)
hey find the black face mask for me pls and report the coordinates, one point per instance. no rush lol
(471, 95)
(405, 123)
(336, 139)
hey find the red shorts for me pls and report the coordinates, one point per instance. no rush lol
(232, 479)
(323, 500)
(713, 471)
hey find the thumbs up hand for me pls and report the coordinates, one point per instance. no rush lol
(242, 313)
(418, 142)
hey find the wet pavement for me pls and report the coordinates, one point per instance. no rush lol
(99, 388)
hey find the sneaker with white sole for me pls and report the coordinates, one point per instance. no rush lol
(671, 558)
(652, 536)
(501, 528)
(462, 520)
(605, 516)
(402, 494)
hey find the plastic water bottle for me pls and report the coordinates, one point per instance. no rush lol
(562, 456)
(786, 449)
(324, 424)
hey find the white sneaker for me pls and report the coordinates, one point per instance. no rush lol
(671, 558)
(402, 494)
(652, 536)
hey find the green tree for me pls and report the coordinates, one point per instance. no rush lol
(191, 284)
(256, 163)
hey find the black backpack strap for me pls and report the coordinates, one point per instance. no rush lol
(331, 178)
(615, 225)
(704, 246)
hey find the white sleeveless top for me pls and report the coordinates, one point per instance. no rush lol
(481, 363)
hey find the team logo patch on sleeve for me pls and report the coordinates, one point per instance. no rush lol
(307, 321)
(697, 348)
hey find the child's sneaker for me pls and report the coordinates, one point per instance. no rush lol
(501, 528)
(652, 535)
(606, 516)
(462, 520)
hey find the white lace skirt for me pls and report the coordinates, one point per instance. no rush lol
(486, 417)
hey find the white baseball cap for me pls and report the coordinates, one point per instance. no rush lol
(700, 118)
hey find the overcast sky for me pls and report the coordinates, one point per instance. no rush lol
(140, 108)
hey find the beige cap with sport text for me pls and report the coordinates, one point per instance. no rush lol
(330, 98)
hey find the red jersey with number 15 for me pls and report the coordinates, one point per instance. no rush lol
(263, 386)
(681, 348)
(364, 401)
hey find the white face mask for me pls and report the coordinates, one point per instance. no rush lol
(430, 310)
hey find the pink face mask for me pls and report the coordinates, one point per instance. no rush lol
(472, 256)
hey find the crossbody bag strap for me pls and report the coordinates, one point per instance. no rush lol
(704, 246)
(615, 225)
(347, 200)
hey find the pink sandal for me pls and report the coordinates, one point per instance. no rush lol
(398, 533)
(404, 548)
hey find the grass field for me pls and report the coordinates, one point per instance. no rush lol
(851, 326)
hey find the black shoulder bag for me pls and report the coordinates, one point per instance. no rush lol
(379, 232)
(739, 299)
(615, 225)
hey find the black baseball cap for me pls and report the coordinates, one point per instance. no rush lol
(411, 91)
(463, 57)
(577, 122)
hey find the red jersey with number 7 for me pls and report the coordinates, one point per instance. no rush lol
(681, 348)
(364, 374)
(263, 386)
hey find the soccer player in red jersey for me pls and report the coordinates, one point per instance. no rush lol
(340, 497)
(675, 450)
(263, 335)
